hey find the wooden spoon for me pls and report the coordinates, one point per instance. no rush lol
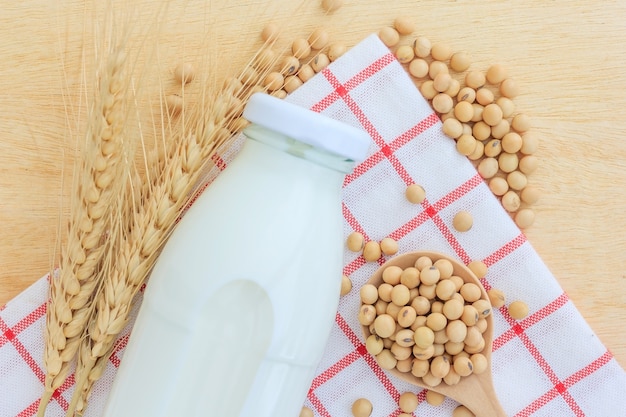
(475, 391)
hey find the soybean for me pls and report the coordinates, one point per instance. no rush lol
(518, 310)
(463, 221)
(331, 6)
(320, 62)
(306, 412)
(488, 167)
(346, 285)
(460, 61)
(405, 54)
(524, 218)
(318, 39)
(463, 366)
(389, 36)
(335, 51)
(362, 408)
(475, 79)
(389, 246)
(528, 164)
(499, 186)
(404, 25)
(368, 294)
(422, 46)
(355, 241)
(384, 325)
(509, 88)
(184, 73)
(415, 194)
(270, 32)
(478, 268)
(530, 195)
(462, 411)
(372, 251)
(434, 398)
(496, 74)
(300, 48)
(496, 297)
(492, 114)
(511, 201)
(408, 402)
(418, 68)
(425, 320)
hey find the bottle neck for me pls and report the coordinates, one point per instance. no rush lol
(299, 149)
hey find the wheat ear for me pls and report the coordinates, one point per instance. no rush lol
(153, 218)
(97, 185)
(210, 127)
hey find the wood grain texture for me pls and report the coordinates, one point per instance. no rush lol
(567, 57)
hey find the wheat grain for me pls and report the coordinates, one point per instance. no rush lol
(154, 205)
(95, 191)
(160, 204)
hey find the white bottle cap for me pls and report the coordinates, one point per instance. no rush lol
(307, 126)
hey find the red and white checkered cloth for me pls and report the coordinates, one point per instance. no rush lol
(549, 364)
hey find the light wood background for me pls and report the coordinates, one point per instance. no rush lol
(569, 59)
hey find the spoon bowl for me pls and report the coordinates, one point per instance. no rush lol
(475, 391)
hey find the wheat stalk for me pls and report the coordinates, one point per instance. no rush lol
(156, 204)
(153, 217)
(95, 190)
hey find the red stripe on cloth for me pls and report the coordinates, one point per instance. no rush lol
(412, 224)
(448, 199)
(120, 345)
(29, 411)
(370, 162)
(23, 352)
(452, 241)
(430, 212)
(367, 125)
(505, 250)
(369, 359)
(356, 80)
(459, 192)
(347, 360)
(422, 126)
(544, 312)
(354, 265)
(219, 162)
(518, 327)
(10, 333)
(387, 150)
(334, 369)
(561, 387)
(370, 70)
(518, 330)
(378, 139)
(421, 396)
(345, 328)
(317, 404)
(537, 404)
(352, 221)
(356, 226)
(588, 370)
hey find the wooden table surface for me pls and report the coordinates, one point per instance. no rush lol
(567, 57)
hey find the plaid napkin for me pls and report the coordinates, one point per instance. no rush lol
(548, 364)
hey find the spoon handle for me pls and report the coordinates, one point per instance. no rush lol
(480, 397)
